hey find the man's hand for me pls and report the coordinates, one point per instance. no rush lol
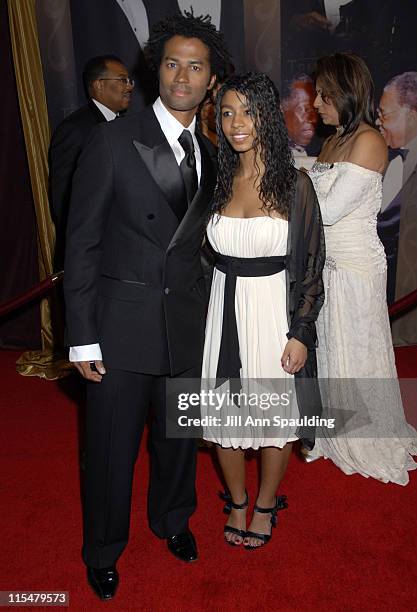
(294, 356)
(91, 370)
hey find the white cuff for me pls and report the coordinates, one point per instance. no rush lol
(86, 352)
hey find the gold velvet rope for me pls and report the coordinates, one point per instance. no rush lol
(47, 362)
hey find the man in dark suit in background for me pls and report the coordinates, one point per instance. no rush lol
(109, 89)
(135, 293)
(397, 221)
(124, 26)
(226, 15)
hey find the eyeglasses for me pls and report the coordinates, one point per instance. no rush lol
(382, 115)
(125, 80)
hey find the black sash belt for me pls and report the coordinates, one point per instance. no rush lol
(229, 363)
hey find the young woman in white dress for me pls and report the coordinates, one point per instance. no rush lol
(266, 235)
(353, 327)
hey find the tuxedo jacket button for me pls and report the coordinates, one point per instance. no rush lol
(150, 216)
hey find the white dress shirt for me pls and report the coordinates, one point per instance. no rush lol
(332, 8)
(108, 114)
(393, 181)
(202, 7)
(172, 130)
(398, 173)
(136, 15)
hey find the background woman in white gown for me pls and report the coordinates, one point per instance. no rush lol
(266, 235)
(353, 326)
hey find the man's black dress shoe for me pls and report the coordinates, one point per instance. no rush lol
(103, 581)
(183, 546)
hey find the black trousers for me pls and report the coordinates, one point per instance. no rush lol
(117, 409)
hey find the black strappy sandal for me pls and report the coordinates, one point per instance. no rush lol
(229, 505)
(280, 504)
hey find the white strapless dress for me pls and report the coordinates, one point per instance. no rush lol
(354, 331)
(260, 305)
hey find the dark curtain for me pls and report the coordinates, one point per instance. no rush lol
(18, 249)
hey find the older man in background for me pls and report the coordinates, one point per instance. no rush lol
(109, 88)
(300, 117)
(397, 222)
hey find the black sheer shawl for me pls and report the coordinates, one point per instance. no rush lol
(305, 294)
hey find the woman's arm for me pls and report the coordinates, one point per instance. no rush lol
(341, 189)
(308, 253)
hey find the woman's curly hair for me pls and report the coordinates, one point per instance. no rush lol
(277, 184)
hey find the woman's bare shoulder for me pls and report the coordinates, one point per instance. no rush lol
(369, 150)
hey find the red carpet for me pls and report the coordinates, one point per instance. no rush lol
(345, 543)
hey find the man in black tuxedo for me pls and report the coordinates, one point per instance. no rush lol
(109, 89)
(226, 15)
(135, 293)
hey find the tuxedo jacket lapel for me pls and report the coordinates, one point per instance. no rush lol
(96, 112)
(200, 205)
(160, 161)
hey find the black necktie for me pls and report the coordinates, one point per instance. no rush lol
(188, 166)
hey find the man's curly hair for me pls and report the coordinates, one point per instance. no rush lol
(189, 26)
